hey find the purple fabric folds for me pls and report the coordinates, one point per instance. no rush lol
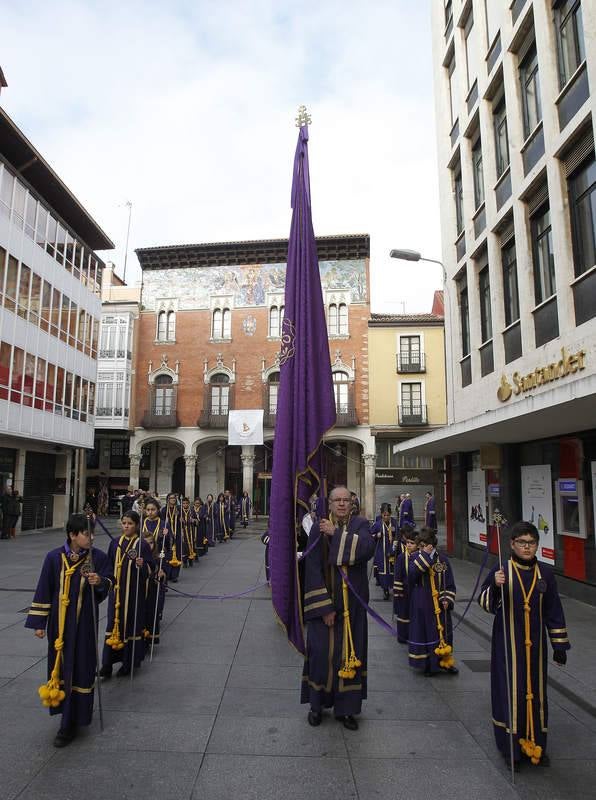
(306, 405)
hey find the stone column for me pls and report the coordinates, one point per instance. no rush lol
(248, 468)
(135, 463)
(189, 479)
(370, 460)
(82, 476)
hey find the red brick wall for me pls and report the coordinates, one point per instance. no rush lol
(192, 347)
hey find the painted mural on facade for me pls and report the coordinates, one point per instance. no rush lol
(248, 285)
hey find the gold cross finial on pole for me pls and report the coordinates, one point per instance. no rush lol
(498, 519)
(303, 118)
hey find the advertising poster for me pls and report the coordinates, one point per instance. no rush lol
(593, 465)
(537, 507)
(477, 525)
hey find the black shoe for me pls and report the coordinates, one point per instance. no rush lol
(450, 670)
(314, 718)
(65, 736)
(386, 595)
(123, 672)
(105, 672)
(544, 761)
(349, 722)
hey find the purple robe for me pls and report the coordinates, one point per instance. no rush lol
(186, 525)
(430, 514)
(402, 595)
(384, 560)
(351, 548)
(198, 525)
(127, 593)
(423, 633)
(171, 521)
(245, 506)
(546, 615)
(79, 654)
(221, 516)
(208, 514)
(155, 589)
(406, 514)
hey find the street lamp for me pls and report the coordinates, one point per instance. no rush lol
(414, 255)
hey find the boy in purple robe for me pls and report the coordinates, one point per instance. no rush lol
(157, 539)
(170, 517)
(72, 665)
(198, 523)
(245, 509)
(384, 531)
(430, 514)
(401, 587)
(334, 674)
(186, 525)
(131, 563)
(432, 590)
(222, 519)
(230, 512)
(208, 513)
(406, 512)
(526, 583)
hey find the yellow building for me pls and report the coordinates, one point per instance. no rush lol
(407, 396)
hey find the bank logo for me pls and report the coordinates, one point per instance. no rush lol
(505, 390)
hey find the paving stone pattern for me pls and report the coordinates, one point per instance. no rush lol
(216, 716)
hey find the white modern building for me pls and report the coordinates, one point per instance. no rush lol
(49, 326)
(515, 87)
(107, 464)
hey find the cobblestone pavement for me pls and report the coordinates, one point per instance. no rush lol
(216, 716)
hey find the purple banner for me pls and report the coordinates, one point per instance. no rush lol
(306, 404)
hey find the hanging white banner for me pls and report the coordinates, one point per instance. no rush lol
(245, 426)
(537, 507)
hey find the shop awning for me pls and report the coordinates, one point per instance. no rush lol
(565, 409)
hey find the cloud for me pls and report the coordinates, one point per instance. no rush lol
(187, 110)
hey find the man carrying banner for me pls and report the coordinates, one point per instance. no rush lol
(334, 674)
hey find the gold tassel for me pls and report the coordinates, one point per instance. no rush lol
(444, 650)
(350, 660)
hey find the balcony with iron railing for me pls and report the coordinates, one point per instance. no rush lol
(269, 418)
(161, 410)
(412, 415)
(346, 415)
(213, 418)
(411, 362)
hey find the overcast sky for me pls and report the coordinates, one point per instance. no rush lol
(187, 109)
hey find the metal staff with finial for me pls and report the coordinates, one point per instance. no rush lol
(498, 521)
(86, 570)
(136, 614)
(162, 555)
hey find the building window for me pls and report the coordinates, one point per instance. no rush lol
(411, 399)
(570, 38)
(486, 323)
(273, 384)
(338, 319)
(458, 191)
(145, 456)
(448, 14)
(119, 454)
(410, 356)
(530, 90)
(464, 316)
(582, 204)
(276, 316)
(501, 137)
(471, 50)
(166, 326)
(543, 256)
(510, 289)
(341, 382)
(478, 172)
(491, 10)
(171, 326)
(222, 324)
(220, 393)
(163, 396)
(453, 94)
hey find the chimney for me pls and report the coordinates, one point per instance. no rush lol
(3, 83)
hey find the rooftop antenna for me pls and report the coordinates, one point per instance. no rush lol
(128, 204)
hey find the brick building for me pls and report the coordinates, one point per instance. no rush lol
(208, 342)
